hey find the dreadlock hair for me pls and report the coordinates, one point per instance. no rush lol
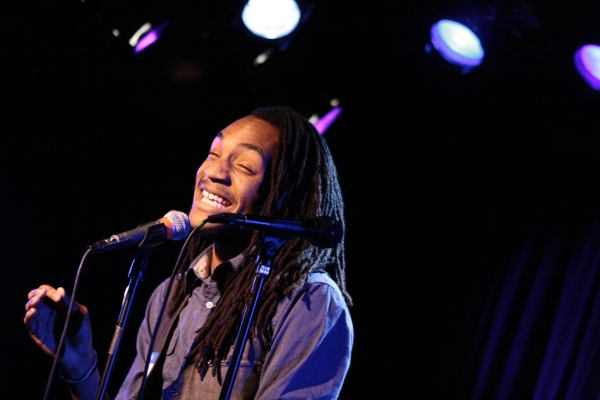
(301, 182)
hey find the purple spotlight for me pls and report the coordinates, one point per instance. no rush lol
(149, 38)
(146, 41)
(587, 62)
(324, 123)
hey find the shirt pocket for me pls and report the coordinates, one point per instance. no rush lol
(250, 355)
(248, 372)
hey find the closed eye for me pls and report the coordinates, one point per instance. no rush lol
(246, 168)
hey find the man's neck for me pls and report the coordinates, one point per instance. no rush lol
(223, 251)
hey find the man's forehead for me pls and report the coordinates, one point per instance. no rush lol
(244, 144)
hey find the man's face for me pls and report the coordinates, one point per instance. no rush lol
(228, 180)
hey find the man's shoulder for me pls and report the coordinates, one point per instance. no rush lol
(321, 277)
(319, 284)
(318, 299)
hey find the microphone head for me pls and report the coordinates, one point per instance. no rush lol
(178, 224)
(329, 232)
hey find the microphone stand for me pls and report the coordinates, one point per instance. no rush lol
(264, 261)
(154, 236)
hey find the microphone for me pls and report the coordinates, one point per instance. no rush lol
(177, 227)
(320, 231)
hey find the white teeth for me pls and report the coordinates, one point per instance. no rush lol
(212, 199)
(211, 203)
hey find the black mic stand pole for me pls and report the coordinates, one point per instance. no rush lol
(264, 261)
(155, 235)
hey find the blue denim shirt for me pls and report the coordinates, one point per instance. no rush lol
(308, 358)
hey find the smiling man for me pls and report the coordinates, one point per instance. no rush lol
(229, 179)
(271, 163)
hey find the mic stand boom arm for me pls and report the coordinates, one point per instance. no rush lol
(155, 235)
(264, 261)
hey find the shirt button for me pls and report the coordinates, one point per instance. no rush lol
(210, 304)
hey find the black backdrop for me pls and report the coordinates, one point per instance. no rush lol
(445, 174)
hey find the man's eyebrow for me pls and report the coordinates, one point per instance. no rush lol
(246, 145)
(253, 147)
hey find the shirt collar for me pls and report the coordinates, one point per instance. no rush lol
(200, 267)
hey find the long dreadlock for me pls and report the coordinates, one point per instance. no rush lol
(301, 182)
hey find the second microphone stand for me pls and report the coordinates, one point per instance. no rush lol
(263, 266)
(155, 235)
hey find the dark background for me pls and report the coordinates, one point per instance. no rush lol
(445, 172)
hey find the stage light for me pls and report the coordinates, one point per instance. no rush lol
(456, 43)
(587, 63)
(262, 57)
(146, 41)
(271, 19)
(133, 40)
(325, 122)
(149, 38)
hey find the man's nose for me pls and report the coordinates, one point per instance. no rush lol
(218, 171)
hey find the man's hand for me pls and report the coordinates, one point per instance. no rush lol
(44, 318)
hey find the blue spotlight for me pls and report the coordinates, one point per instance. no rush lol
(271, 19)
(587, 62)
(457, 43)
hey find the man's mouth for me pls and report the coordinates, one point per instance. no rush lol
(213, 200)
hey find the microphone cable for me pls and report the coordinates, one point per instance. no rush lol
(63, 335)
(162, 310)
